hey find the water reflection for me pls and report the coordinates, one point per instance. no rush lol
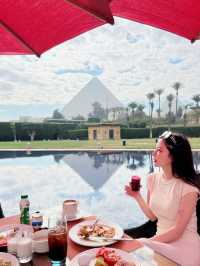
(97, 180)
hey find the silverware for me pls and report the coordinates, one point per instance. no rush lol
(98, 238)
(93, 225)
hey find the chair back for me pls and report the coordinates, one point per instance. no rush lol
(1, 212)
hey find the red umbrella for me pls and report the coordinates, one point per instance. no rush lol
(181, 17)
(32, 27)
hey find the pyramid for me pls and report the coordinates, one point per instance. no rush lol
(94, 91)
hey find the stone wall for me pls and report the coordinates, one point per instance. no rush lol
(104, 132)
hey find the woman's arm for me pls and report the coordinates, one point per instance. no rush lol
(143, 205)
(187, 207)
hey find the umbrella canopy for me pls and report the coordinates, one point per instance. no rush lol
(28, 26)
(181, 17)
(34, 26)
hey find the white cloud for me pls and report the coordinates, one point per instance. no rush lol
(133, 58)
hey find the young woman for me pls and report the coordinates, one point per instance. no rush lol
(171, 200)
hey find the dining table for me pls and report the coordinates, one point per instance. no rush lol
(74, 249)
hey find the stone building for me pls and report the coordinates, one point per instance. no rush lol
(104, 131)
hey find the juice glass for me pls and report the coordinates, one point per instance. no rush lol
(57, 240)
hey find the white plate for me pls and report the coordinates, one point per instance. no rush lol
(9, 257)
(73, 234)
(4, 230)
(91, 253)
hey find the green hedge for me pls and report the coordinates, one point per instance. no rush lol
(54, 131)
(50, 131)
(81, 134)
(6, 132)
(134, 133)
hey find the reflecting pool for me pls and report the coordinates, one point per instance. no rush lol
(97, 180)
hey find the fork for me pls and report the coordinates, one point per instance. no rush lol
(93, 225)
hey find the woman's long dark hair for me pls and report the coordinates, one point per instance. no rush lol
(182, 159)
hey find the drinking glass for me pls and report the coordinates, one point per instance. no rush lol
(57, 240)
(24, 247)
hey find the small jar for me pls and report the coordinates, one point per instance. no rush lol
(36, 221)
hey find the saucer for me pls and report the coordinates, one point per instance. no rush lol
(40, 241)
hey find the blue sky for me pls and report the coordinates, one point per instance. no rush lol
(131, 60)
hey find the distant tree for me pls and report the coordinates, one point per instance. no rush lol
(132, 106)
(57, 115)
(196, 99)
(159, 92)
(127, 114)
(13, 128)
(179, 112)
(185, 114)
(177, 86)
(196, 108)
(78, 117)
(139, 113)
(98, 111)
(170, 99)
(150, 97)
(93, 120)
(31, 130)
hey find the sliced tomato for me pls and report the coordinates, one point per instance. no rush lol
(110, 257)
(101, 252)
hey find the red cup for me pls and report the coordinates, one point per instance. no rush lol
(135, 183)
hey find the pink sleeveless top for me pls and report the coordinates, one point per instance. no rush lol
(165, 200)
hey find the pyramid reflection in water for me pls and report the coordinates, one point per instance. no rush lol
(94, 168)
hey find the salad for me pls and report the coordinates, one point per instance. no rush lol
(109, 257)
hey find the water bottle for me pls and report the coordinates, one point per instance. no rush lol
(24, 210)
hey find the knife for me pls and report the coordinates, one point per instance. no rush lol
(98, 238)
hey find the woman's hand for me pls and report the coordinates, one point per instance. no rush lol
(131, 193)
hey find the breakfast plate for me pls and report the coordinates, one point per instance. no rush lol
(10, 259)
(88, 257)
(102, 229)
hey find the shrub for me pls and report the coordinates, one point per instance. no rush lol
(80, 134)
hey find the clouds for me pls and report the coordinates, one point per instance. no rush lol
(88, 68)
(128, 57)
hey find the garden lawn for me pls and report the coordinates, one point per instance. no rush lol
(86, 144)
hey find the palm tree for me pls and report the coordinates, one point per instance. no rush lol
(176, 86)
(139, 113)
(170, 98)
(196, 99)
(185, 114)
(132, 106)
(159, 92)
(150, 97)
(140, 107)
